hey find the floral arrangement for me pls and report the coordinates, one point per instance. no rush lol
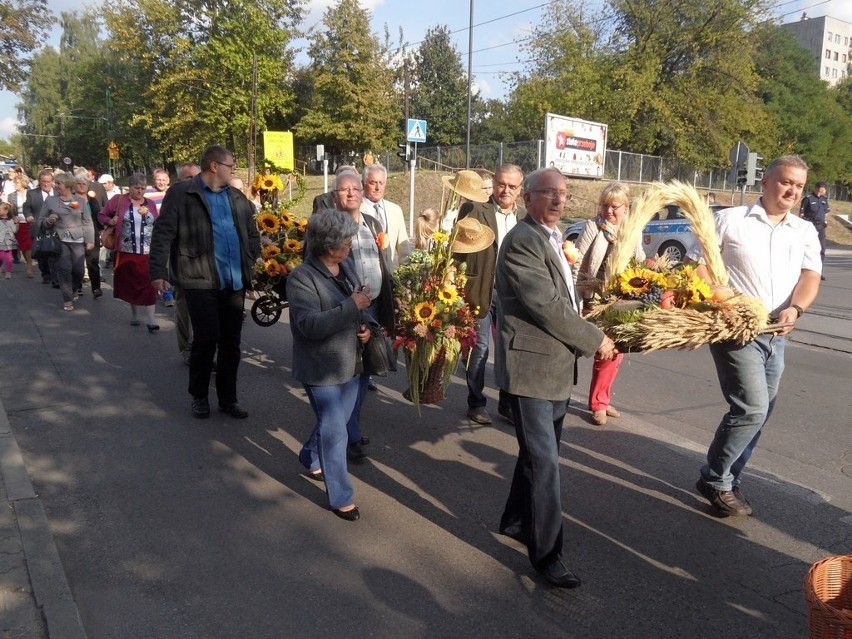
(281, 240)
(656, 304)
(435, 325)
(269, 186)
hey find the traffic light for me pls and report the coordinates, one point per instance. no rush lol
(754, 169)
(742, 175)
(404, 152)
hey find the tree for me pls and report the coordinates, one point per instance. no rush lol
(355, 107)
(25, 24)
(193, 61)
(439, 93)
(807, 117)
(41, 101)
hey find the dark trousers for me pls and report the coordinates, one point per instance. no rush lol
(535, 500)
(217, 324)
(93, 264)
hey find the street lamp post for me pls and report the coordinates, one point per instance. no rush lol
(469, 82)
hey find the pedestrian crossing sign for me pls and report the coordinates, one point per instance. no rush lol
(416, 130)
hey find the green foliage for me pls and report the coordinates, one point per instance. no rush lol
(808, 117)
(354, 106)
(24, 28)
(41, 101)
(439, 93)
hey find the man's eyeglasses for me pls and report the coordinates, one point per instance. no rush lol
(230, 166)
(552, 193)
(349, 189)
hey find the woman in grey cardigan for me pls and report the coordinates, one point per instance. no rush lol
(67, 215)
(326, 303)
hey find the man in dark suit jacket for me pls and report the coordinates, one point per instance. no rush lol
(32, 208)
(539, 338)
(500, 213)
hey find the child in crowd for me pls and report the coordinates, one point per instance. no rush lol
(425, 224)
(8, 243)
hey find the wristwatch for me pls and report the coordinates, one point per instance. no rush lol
(799, 310)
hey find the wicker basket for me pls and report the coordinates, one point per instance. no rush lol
(828, 593)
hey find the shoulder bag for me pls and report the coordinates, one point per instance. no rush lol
(377, 354)
(108, 233)
(47, 244)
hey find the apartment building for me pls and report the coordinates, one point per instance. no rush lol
(830, 42)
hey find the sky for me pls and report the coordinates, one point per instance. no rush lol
(498, 25)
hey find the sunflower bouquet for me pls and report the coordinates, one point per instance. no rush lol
(267, 185)
(435, 324)
(282, 236)
(647, 308)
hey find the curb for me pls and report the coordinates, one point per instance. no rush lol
(44, 568)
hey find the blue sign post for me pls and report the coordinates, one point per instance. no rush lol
(416, 130)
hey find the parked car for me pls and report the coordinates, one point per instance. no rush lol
(668, 232)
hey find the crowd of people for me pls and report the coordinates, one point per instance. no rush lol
(202, 243)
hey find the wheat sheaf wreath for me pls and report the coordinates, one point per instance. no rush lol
(738, 318)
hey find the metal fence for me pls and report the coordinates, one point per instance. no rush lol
(529, 155)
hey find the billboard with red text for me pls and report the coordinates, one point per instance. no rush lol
(576, 147)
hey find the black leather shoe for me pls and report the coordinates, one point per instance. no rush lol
(558, 575)
(234, 410)
(97, 293)
(355, 451)
(506, 413)
(200, 407)
(364, 441)
(515, 532)
(348, 515)
(725, 502)
(153, 328)
(315, 475)
(371, 385)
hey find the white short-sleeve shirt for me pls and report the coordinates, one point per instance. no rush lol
(762, 260)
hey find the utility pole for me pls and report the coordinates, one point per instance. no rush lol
(405, 92)
(469, 82)
(252, 133)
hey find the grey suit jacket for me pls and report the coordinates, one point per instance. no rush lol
(540, 334)
(324, 321)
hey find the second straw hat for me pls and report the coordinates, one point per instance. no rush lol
(472, 236)
(466, 183)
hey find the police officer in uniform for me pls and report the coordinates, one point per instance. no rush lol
(815, 209)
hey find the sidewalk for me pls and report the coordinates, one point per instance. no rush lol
(35, 600)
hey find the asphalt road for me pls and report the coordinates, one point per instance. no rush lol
(173, 527)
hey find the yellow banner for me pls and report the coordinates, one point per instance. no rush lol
(278, 148)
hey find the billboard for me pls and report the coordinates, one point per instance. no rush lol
(575, 147)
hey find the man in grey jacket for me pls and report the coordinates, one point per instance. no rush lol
(540, 335)
(207, 238)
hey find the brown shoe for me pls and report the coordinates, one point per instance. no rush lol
(479, 415)
(612, 412)
(725, 502)
(599, 417)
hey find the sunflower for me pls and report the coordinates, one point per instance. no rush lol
(440, 237)
(697, 290)
(448, 294)
(286, 220)
(270, 183)
(424, 311)
(271, 250)
(268, 223)
(302, 224)
(637, 280)
(271, 267)
(292, 246)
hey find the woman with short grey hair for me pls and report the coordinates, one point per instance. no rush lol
(66, 214)
(328, 325)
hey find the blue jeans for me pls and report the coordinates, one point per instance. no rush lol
(478, 360)
(535, 500)
(749, 376)
(326, 447)
(353, 425)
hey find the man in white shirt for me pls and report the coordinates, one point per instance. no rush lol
(773, 255)
(374, 180)
(109, 186)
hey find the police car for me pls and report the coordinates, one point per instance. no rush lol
(668, 232)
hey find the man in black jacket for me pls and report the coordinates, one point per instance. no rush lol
(207, 238)
(815, 209)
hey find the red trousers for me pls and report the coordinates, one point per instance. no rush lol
(603, 377)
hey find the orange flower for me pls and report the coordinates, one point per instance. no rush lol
(382, 240)
(571, 252)
(74, 204)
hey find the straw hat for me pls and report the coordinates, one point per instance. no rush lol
(467, 184)
(472, 236)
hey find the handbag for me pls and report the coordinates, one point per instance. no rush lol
(108, 233)
(377, 354)
(47, 244)
(108, 238)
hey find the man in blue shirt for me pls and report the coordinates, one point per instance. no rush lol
(207, 239)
